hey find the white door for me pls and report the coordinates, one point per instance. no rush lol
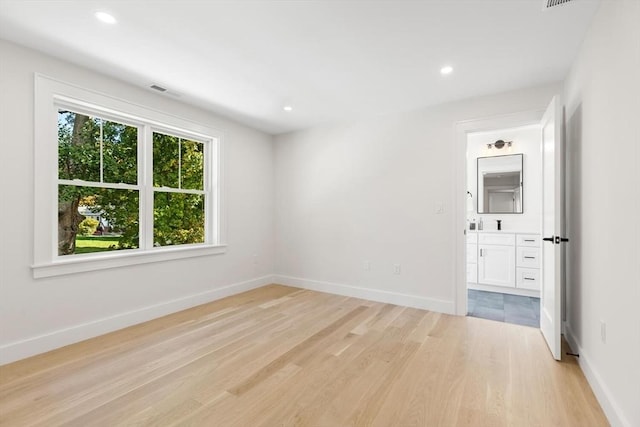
(552, 223)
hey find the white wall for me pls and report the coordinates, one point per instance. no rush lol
(602, 108)
(37, 315)
(368, 191)
(350, 193)
(526, 141)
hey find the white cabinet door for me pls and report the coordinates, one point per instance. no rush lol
(497, 265)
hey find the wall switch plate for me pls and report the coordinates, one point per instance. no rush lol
(396, 268)
(439, 207)
(603, 331)
(366, 265)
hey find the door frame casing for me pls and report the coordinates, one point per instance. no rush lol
(461, 129)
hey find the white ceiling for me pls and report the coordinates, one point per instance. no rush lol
(331, 60)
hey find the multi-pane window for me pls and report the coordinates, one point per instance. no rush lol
(107, 201)
(118, 183)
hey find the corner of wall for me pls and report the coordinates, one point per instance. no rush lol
(599, 387)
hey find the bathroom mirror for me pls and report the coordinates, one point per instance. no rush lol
(500, 188)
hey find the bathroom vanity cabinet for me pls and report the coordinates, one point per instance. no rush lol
(504, 262)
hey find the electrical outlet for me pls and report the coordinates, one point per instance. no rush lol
(396, 268)
(603, 331)
(366, 265)
(439, 207)
(255, 259)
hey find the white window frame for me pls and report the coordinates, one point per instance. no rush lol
(50, 95)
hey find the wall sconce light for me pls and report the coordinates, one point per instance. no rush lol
(499, 144)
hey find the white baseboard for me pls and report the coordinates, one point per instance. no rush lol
(406, 300)
(60, 338)
(601, 391)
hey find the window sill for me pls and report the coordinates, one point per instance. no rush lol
(92, 262)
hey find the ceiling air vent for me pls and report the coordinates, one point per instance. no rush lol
(158, 88)
(547, 4)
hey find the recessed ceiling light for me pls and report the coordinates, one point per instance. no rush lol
(446, 70)
(106, 17)
(287, 108)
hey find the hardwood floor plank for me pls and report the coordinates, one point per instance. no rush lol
(316, 385)
(132, 336)
(281, 356)
(292, 354)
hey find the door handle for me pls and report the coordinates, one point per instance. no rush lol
(560, 239)
(555, 239)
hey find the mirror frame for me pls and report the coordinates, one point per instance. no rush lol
(521, 184)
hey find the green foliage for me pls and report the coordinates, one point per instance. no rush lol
(178, 218)
(177, 163)
(118, 207)
(80, 159)
(88, 226)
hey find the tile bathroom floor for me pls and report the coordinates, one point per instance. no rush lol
(504, 308)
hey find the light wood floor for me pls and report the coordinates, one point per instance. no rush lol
(280, 356)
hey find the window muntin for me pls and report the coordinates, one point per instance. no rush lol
(95, 154)
(52, 95)
(100, 179)
(178, 190)
(91, 148)
(177, 162)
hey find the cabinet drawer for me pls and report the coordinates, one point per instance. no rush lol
(528, 240)
(472, 237)
(528, 278)
(472, 273)
(528, 257)
(472, 252)
(497, 239)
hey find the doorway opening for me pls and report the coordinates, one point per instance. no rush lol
(551, 229)
(503, 216)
